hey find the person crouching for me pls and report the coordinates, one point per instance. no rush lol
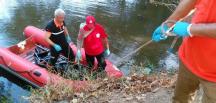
(58, 37)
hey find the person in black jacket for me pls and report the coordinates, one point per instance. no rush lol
(58, 37)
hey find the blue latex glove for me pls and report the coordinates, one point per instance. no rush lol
(158, 35)
(107, 52)
(181, 29)
(57, 47)
(68, 38)
(78, 55)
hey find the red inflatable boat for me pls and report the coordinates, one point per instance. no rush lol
(18, 59)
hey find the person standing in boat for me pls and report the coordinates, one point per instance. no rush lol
(58, 37)
(93, 38)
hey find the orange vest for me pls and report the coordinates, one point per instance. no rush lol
(199, 53)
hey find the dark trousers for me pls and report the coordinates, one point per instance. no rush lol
(66, 51)
(101, 61)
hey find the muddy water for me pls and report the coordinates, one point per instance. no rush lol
(129, 23)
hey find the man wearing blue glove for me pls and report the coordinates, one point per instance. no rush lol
(93, 38)
(181, 29)
(197, 52)
(58, 37)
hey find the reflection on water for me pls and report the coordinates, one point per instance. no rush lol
(129, 23)
(6, 9)
(81, 8)
(11, 93)
(170, 61)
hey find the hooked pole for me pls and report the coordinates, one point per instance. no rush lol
(166, 33)
(133, 52)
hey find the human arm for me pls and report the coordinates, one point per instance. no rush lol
(199, 29)
(47, 38)
(80, 39)
(208, 29)
(184, 7)
(66, 31)
(105, 41)
(182, 10)
(67, 36)
(106, 45)
(51, 43)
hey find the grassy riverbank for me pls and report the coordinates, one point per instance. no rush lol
(137, 87)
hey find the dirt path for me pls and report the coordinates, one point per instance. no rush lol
(163, 95)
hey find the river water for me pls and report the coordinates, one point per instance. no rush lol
(129, 23)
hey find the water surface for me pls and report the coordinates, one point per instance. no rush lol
(129, 23)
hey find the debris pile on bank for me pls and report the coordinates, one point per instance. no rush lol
(132, 85)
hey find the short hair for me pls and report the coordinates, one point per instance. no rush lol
(59, 12)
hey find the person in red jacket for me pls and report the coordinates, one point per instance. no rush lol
(197, 52)
(93, 38)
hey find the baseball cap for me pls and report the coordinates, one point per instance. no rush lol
(90, 19)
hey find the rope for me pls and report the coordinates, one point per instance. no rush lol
(166, 33)
(174, 43)
(131, 53)
(68, 56)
